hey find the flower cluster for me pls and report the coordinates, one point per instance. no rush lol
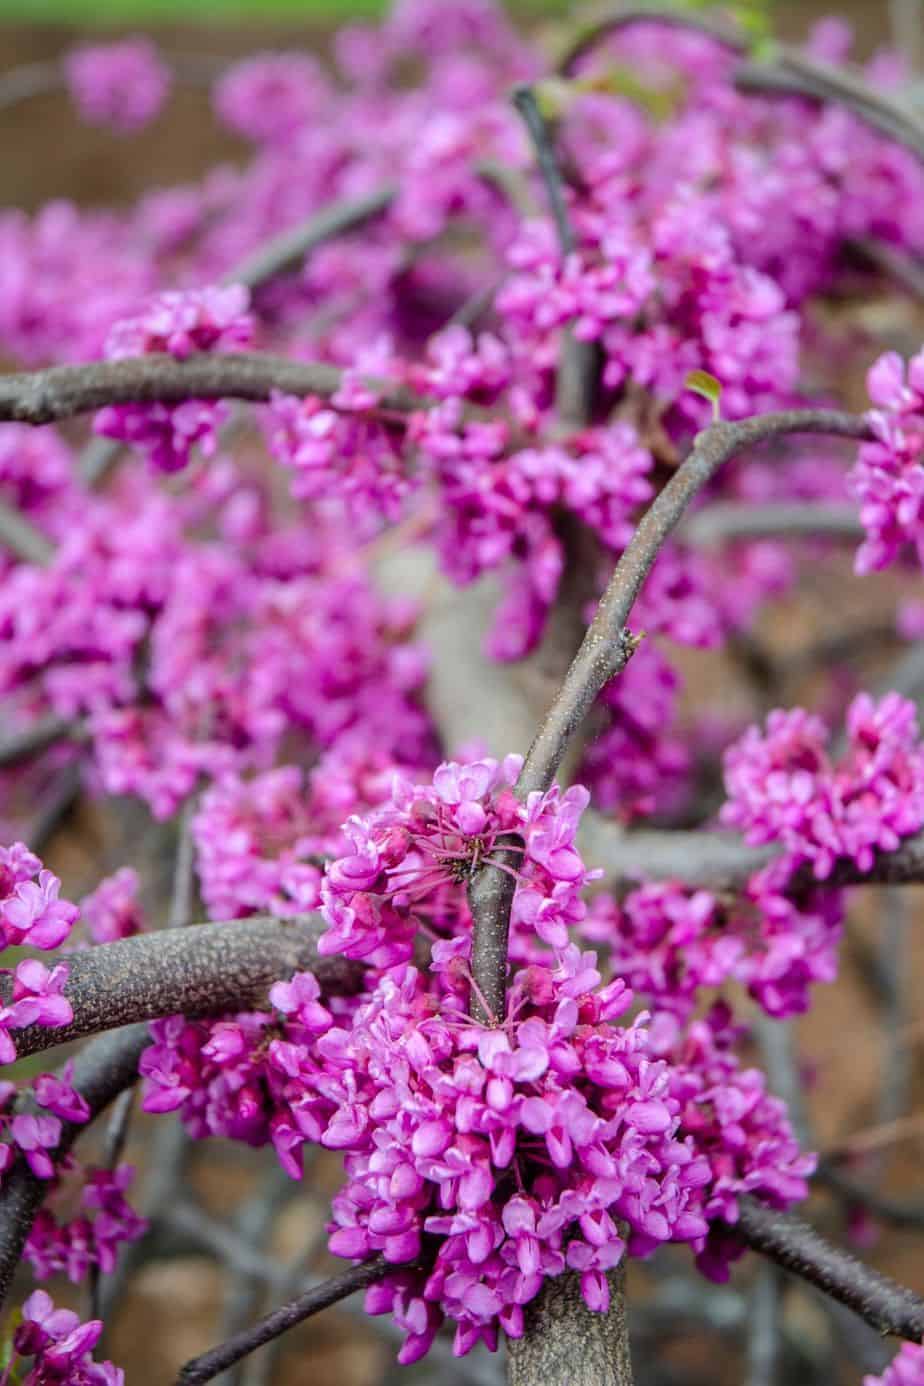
(261, 843)
(91, 1240)
(60, 1347)
(37, 1134)
(36, 997)
(273, 96)
(537, 1147)
(178, 323)
(30, 909)
(341, 447)
(32, 913)
(212, 635)
(249, 1078)
(113, 910)
(521, 1148)
(888, 478)
(425, 843)
(638, 764)
(122, 84)
(783, 787)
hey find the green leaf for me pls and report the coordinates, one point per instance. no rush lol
(702, 383)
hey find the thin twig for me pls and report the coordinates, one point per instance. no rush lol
(21, 83)
(54, 806)
(289, 248)
(217, 1359)
(113, 1146)
(899, 1212)
(184, 871)
(164, 1172)
(798, 1248)
(524, 99)
(579, 362)
(253, 1224)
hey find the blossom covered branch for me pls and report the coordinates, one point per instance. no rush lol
(202, 970)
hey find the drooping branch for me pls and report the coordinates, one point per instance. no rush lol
(798, 1248)
(102, 1070)
(200, 970)
(608, 645)
(610, 19)
(63, 392)
(787, 73)
(287, 250)
(339, 1287)
(795, 74)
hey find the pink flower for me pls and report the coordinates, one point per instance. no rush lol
(122, 84)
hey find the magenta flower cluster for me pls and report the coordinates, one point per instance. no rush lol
(521, 1148)
(59, 1346)
(32, 913)
(888, 478)
(426, 841)
(783, 787)
(123, 84)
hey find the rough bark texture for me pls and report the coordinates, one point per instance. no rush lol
(202, 970)
(101, 1071)
(63, 392)
(565, 1344)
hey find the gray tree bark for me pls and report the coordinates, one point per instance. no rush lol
(566, 1344)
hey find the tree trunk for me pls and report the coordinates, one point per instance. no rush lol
(566, 1344)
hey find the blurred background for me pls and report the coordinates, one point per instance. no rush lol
(239, 1237)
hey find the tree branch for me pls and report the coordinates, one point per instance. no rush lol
(218, 1359)
(717, 524)
(63, 392)
(791, 73)
(798, 1248)
(286, 251)
(719, 862)
(206, 969)
(611, 19)
(565, 1344)
(37, 737)
(608, 645)
(102, 1070)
